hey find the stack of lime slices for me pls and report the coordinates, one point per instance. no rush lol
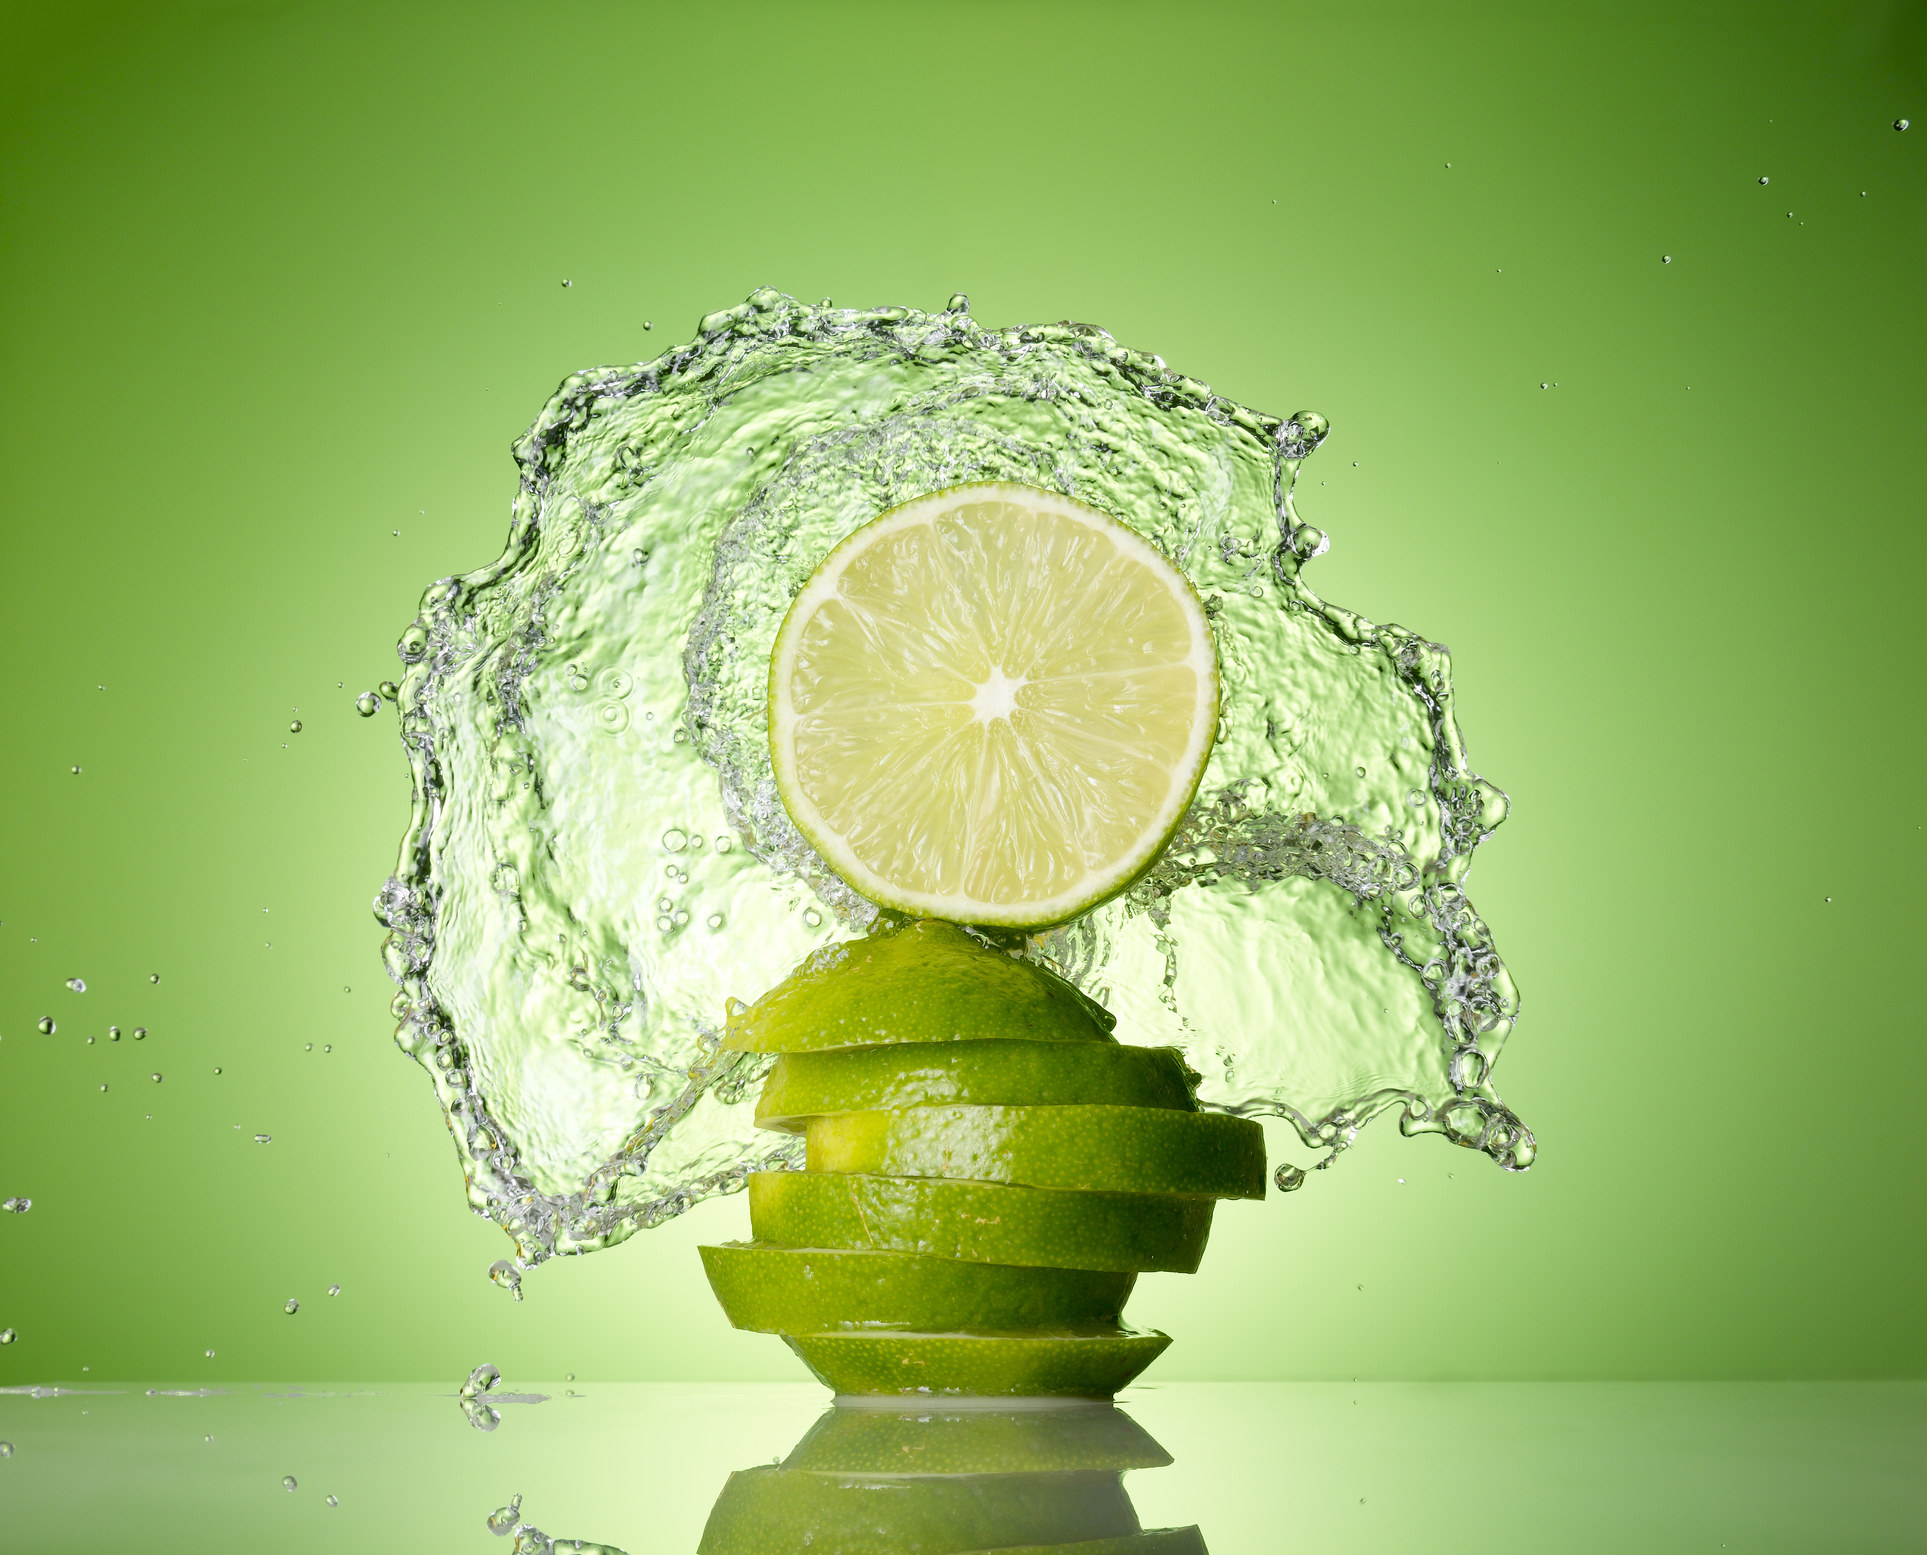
(989, 707)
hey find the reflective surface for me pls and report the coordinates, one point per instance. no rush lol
(1256, 1467)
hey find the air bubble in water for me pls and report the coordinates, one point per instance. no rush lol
(715, 920)
(480, 1380)
(675, 839)
(505, 1274)
(288, 1482)
(724, 844)
(77, 984)
(46, 1024)
(295, 726)
(293, 1305)
(812, 918)
(367, 704)
(1289, 1178)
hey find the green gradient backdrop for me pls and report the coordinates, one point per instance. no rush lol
(281, 279)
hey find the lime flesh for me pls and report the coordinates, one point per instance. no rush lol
(978, 1365)
(922, 1439)
(988, 1222)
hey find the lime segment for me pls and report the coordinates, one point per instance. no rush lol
(920, 1439)
(1120, 1149)
(978, 1365)
(1008, 1072)
(987, 1222)
(805, 1290)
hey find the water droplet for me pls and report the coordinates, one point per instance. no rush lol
(288, 1482)
(568, 1376)
(7, 1336)
(209, 1354)
(90, 1041)
(505, 1274)
(78, 985)
(46, 1024)
(6, 1449)
(140, 1033)
(367, 704)
(389, 690)
(113, 1033)
(480, 1380)
(639, 557)
(293, 1305)
(648, 323)
(675, 839)
(1901, 124)
(327, 1047)
(153, 977)
(334, 1290)
(567, 282)
(266, 1139)
(811, 917)
(333, 1501)
(1302, 433)
(1289, 1178)
(307, 1047)
(17, 1206)
(103, 1087)
(155, 1078)
(294, 727)
(715, 920)
(414, 642)
(1766, 180)
(217, 1068)
(76, 771)
(724, 844)
(1666, 259)
(503, 1518)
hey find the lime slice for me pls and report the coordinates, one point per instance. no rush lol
(992, 705)
(981, 1221)
(768, 1510)
(1043, 1074)
(920, 1439)
(804, 1290)
(925, 982)
(1152, 1541)
(1123, 1149)
(978, 1365)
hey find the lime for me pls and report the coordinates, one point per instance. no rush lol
(804, 1290)
(920, 1439)
(1013, 1072)
(992, 705)
(1152, 1541)
(925, 982)
(978, 1365)
(1123, 1149)
(991, 1222)
(768, 1510)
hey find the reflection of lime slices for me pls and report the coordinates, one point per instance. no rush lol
(992, 705)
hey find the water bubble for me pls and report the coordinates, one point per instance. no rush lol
(266, 1139)
(307, 1047)
(611, 717)
(334, 1290)
(1302, 433)
(217, 1068)
(7, 1336)
(715, 920)
(367, 704)
(811, 917)
(153, 977)
(76, 771)
(680, 918)
(103, 1087)
(414, 642)
(503, 1518)
(389, 689)
(16, 1206)
(1765, 180)
(294, 726)
(568, 1376)
(639, 556)
(724, 844)
(77, 984)
(155, 1078)
(1666, 259)
(47, 1027)
(90, 1041)
(1900, 124)
(480, 1380)
(140, 1033)
(567, 282)
(288, 1482)
(648, 323)
(209, 1354)
(664, 925)
(505, 1274)
(294, 1304)
(613, 683)
(113, 1033)
(6, 1449)
(327, 1047)
(334, 1501)
(1289, 1178)
(675, 839)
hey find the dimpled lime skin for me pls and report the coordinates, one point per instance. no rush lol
(1000, 1070)
(925, 982)
(978, 1365)
(1119, 1149)
(990, 1222)
(803, 1290)
(766, 1510)
(919, 1438)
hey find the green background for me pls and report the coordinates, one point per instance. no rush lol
(280, 280)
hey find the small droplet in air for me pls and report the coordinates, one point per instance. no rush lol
(267, 1139)
(389, 689)
(288, 1482)
(1766, 180)
(504, 1518)
(1900, 124)
(6, 1449)
(16, 1206)
(811, 917)
(1289, 1178)
(209, 1354)
(113, 1033)
(567, 282)
(675, 839)
(47, 1025)
(568, 1376)
(294, 727)
(217, 1068)
(140, 1033)
(327, 1047)
(153, 977)
(367, 704)
(505, 1274)
(480, 1380)
(307, 1047)
(648, 323)
(1666, 259)
(7, 1336)
(334, 1290)
(76, 771)
(293, 1305)
(333, 1501)
(103, 1087)
(155, 1078)
(78, 985)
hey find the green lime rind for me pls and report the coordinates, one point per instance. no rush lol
(1152, 1541)
(925, 982)
(772, 1511)
(922, 1438)
(807, 1290)
(978, 1365)
(981, 1221)
(1117, 1149)
(996, 1071)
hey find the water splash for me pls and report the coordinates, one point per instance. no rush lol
(584, 719)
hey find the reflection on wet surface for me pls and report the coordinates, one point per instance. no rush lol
(1248, 1467)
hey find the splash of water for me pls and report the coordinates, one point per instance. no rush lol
(597, 857)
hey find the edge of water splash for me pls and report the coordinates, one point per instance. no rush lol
(1473, 995)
